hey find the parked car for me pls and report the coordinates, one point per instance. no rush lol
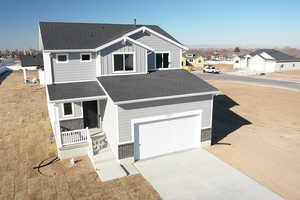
(210, 69)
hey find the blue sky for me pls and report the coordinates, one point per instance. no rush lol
(219, 23)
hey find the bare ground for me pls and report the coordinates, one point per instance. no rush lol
(24, 143)
(225, 67)
(257, 130)
(293, 75)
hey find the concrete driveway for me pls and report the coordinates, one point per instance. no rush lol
(197, 174)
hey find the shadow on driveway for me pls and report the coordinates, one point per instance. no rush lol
(225, 121)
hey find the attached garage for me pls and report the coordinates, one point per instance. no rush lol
(155, 136)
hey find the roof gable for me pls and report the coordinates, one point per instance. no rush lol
(275, 54)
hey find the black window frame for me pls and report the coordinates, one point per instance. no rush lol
(127, 65)
(85, 54)
(161, 65)
(71, 107)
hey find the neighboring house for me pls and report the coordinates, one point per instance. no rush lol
(266, 60)
(125, 84)
(192, 58)
(33, 62)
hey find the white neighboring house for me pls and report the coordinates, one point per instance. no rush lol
(266, 60)
(33, 62)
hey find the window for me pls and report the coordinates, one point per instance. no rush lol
(85, 57)
(62, 58)
(123, 62)
(162, 60)
(68, 109)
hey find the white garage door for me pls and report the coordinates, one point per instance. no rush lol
(166, 134)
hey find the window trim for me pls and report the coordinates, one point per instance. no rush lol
(62, 54)
(169, 59)
(63, 109)
(90, 60)
(123, 53)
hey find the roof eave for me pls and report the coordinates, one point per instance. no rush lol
(167, 97)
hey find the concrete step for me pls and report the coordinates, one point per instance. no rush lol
(109, 170)
(104, 156)
(129, 167)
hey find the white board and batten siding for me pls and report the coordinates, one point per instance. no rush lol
(107, 58)
(159, 45)
(110, 126)
(74, 70)
(129, 112)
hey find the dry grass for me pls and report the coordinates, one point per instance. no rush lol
(285, 75)
(268, 149)
(24, 129)
(225, 67)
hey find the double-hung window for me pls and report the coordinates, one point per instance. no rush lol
(123, 62)
(162, 60)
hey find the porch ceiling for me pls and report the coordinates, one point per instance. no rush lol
(75, 90)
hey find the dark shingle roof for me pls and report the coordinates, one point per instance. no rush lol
(277, 55)
(60, 35)
(32, 60)
(152, 85)
(74, 90)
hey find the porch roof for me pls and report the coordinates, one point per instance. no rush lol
(75, 90)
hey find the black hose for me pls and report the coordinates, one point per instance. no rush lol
(47, 163)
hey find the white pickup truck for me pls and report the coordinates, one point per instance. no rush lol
(210, 69)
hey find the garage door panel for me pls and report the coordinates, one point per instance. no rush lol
(165, 136)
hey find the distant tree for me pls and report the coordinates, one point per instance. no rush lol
(236, 50)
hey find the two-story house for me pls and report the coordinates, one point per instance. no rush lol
(121, 86)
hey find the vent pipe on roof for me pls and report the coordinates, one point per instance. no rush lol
(134, 21)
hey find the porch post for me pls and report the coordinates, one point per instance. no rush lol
(57, 127)
(24, 75)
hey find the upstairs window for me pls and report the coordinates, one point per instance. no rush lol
(162, 60)
(62, 58)
(123, 62)
(68, 109)
(85, 57)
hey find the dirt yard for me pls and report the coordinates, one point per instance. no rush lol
(286, 75)
(225, 67)
(257, 130)
(24, 143)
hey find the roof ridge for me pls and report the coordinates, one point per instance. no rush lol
(97, 23)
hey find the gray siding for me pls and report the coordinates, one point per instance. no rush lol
(159, 44)
(154, 108)
(77, 110)
(140, 57)
(74, 70)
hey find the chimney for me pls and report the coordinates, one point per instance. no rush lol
(134, 21)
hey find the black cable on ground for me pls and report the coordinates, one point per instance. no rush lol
(47, 163)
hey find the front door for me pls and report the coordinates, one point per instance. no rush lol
(90, 114)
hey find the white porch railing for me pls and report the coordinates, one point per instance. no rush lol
(74, 137)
